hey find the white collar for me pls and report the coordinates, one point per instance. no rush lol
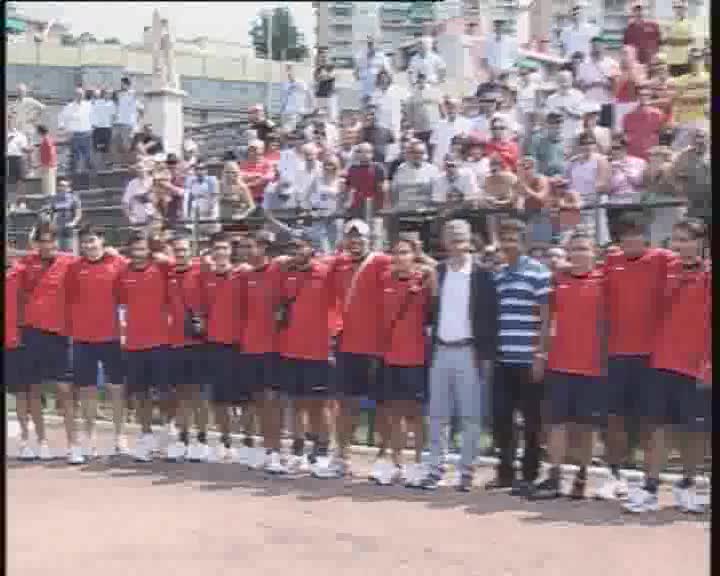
(466, 267)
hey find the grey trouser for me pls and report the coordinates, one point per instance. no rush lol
(456, 388)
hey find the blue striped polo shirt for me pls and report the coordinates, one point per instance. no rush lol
(521, 290)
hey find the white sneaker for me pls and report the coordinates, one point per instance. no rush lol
(197, 452)
(153, 443)
(383, 472)
(121, 445)
(323, 468)
(219, 454)
(612, 488)
(176, 451)
(258, 458)
(76, 456)
(640, 500)
(275, 465)
(26, 452)
(296, 464)
(681, 494)
(90, 450)
(244, 455)
(413, 474)
(698, 498)
(45, 454)
(143, 449)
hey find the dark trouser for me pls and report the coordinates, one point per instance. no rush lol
(80, 151)
(512, 390)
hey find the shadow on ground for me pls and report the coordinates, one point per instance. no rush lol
(213, 478)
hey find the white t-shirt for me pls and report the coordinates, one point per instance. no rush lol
(589, 72)
(368, 68)
(75, 117)
(323, 197)
(331, 134)
(27, 113)
(501, 54)
(139, 212)
(480, 125)
(572, 101)
(103, 112)
(17, 142)
(465, 183)
(127, 108)
(412, 186)
(432, 65)
(205, 194)
(454, 323)
(443, 134)
(296, 98)
(389, 108)
(480, 170)
(578, 40)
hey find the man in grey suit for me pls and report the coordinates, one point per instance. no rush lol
(464, 343)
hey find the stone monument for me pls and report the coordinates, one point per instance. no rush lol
(164, 99)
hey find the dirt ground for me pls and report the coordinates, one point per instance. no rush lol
(116, 517)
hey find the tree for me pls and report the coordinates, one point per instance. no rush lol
(288, 43)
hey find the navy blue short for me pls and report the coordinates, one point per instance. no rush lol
(47, 355)
(188, 366)
(674, 401)
(575, 398)
(223, 375)
(260, 372)
(15, 370)
(703, 410)
(630, 384)
(358, 375)
(147, 372)
(305, 378)
(402, 383)
(87, 356)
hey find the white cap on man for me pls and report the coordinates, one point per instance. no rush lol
(358, 226)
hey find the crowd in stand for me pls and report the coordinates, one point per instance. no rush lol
(565, 293)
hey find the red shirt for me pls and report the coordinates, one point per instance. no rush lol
(48, 152)
(262, 168)
(682, 342)
(44, 292)
(13, 277)
(507, 150)
(183, 287)
(257, 295)
(217, 299)
(633, 298)
(367, 181)
(644, 35)
(91, 298)
(642, 128)
(404, 307)
(576, 313)
(273, 158)
(145, 295)
(308, 333)
(361, 316)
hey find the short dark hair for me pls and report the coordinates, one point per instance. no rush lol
(586, 138)
(692, 226)
(125, 80)
(42, 129)
(619, 138)
(137, 236)
(88, 229)
(230, 156)
(666, 137)
(264, 237)
(554, 118)
(513, 226)
(44, 226)
(221, 236)
(172, 159)
(630, 223)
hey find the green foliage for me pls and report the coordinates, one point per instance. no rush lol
(288, 43)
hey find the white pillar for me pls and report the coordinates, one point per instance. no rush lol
(164, 110)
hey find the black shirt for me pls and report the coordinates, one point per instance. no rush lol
(326, 87)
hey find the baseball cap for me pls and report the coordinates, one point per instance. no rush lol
(356, 225)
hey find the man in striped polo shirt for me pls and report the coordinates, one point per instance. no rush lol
(523, 286)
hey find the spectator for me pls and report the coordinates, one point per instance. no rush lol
(568, 102)
(691, 100)
(321, 129)
(642, 126)
(348, 140)
(631, 75)
(660, 88)
(366, 180)
(147, 144)
(413, 181)
(500, 50)
(578, 35)
(368, 64)
(428, 63)
(387, 100)
(256, 172)
(190, 153)
(423, 109)
(66, 211)
(126, 120)
(137, 200)
(296, 101)
(325, 91)
(590, 125)
(642, 34)
(323, 201)
(691, 174)
(202, 197)
(75, 120)
(589, 175)
(172, 189)
(500, 145)
(596, 76)
(626, 178)
(376, 135)
(392, 167)
(526, 97)
(16, 154)
(477, 163)
(547, 147)
(272, 149)
(679, 39)
(235, 194)
(532, 191)
(258, 122)
(564, 206)
(658, 187)
(48, 161)
(487, 106)
(455, 185)
(446, 129)
(27, 112)
(291, 160)
(103, 114)
(500, 194)
(490, 88)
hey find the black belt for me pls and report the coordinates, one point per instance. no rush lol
(456, 343)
